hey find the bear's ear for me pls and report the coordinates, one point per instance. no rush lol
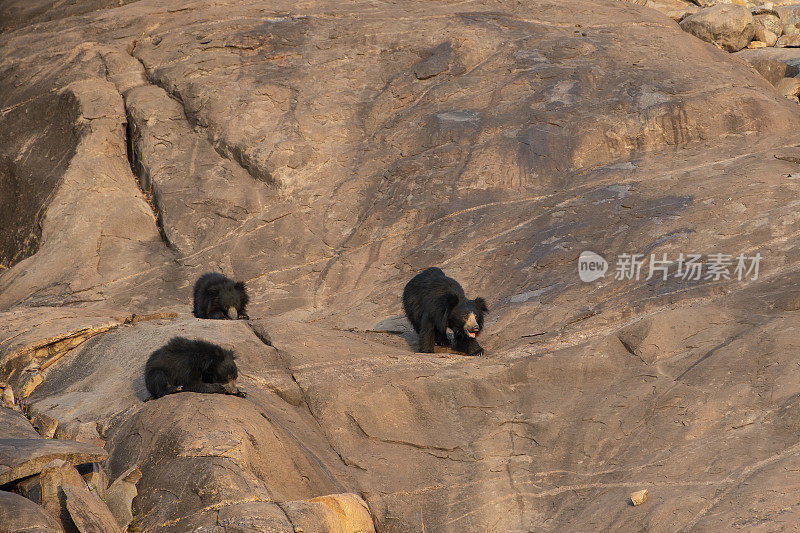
(239, 286)
(480, 303)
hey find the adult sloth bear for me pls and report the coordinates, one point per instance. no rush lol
(184, 365)
(216, 296)
(433, 302)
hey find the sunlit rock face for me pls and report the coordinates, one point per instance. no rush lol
(325, 153)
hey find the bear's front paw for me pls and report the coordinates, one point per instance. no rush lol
(244, 316)
(475, 351)
(240, 394)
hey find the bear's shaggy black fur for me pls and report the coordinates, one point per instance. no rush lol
(216, 296)
(433, 302)
(184, 365)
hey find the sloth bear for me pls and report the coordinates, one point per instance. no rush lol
(216, 296)
(184, 365)
(433, 302)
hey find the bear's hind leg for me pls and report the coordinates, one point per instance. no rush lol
(158, 384)
(427, 337)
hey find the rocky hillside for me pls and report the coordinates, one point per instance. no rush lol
(324, 153)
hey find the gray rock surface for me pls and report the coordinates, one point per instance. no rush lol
(728, 26)
(324, 152)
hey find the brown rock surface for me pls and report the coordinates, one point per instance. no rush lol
(790, 56)
(88, 512)
(325, 152)
(790, 17)
(768, 28)
(120, 494)
(14, 425)
(64, 495)
(21, 458)
(18, 513)
(789, 87)
(788, 41)
(772, 69)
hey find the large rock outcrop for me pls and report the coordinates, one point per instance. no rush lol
(729, 26)
(324, 152)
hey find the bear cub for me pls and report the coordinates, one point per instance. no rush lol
(433, 302)
(217, 296)
(184, 365)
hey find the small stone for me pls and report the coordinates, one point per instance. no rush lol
(757, 44)
(639, 497)
(8, 396)
(45, 425)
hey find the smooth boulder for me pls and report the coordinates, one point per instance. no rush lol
(768, 28)
(727, 26)
(790, 18)
(789, 41)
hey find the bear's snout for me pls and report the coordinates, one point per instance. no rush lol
(471, 327)
(232, 314)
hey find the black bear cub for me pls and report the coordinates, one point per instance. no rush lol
(216, 296)
(184, 365)
(433, 302)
